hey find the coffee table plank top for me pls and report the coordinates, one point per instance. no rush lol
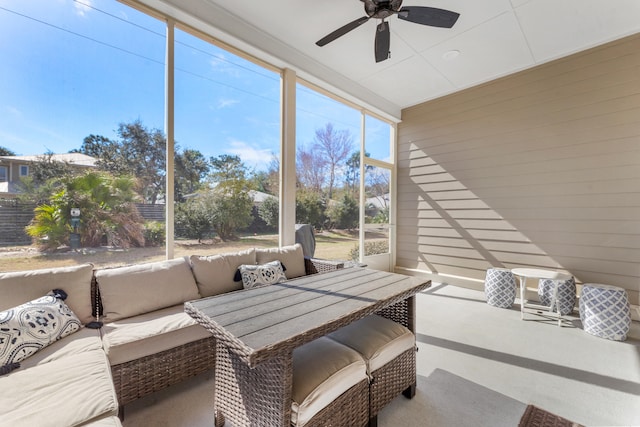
(258, 324)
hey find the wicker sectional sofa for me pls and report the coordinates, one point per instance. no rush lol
(146, 342)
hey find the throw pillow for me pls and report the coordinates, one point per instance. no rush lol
(30, 327)
(254, 276)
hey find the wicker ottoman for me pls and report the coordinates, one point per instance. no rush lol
(389, 349)
(605, 311)
(500, 287)
(558, 294)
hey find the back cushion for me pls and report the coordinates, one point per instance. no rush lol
(19, 287)
(291, 256)
(142, 288)
(215, 273)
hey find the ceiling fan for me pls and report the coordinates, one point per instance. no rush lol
(382, 9)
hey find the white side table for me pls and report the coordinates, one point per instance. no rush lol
(536, 273)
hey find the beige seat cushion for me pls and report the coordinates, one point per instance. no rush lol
(377, 339)
(215, 274)
(291, 256)
(69, 391)
(77, 343)
(19, 287)
(143, 288)
(135, 337)
(322, 370)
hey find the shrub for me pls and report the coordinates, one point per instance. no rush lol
(371, 247)
(310, 208)
(193, 220)
(269, 212)
(154, 233)
(345, 215)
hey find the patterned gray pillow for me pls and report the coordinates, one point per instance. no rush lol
(254, 276)
(30, 327)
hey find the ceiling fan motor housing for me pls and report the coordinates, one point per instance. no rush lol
(381, 9)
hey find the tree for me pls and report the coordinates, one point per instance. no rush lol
(230, 211)
(44, 178)
(268, 181)
(269, 212)
(310, 208)
(193, 217)
(230, 202)
(345, 214)
(353, 170)
(228, 169)
(6, 152)
(191, 167)
(334, 146)
(107, 210)
(311, 169)
(140, 152)
(46, 168)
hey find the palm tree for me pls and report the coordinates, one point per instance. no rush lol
(107, 211)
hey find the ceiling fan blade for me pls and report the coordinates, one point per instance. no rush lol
(383, 41)
(428, 16)
(342, 31)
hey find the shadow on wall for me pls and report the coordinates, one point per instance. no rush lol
(455, 234)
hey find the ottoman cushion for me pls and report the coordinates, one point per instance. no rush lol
(322, 370)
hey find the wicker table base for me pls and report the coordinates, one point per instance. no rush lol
(252, 397)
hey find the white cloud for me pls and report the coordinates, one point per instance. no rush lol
(13, 111)
(253, 157)
(82, 7)
(221, 64)
(224, 103)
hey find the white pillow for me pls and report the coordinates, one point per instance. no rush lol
(30, 327)
(254, 276)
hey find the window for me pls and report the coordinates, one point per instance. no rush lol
(328, 170)
(378, 168)
(91, 75)
(377, 139)
(227, 145)
(101, 66)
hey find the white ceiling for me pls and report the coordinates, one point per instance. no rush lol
(494, 38)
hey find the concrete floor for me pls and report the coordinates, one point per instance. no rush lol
(477, 366)
(564, 370)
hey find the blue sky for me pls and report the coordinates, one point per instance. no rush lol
(69, 69)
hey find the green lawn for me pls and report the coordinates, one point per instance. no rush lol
(329, 245)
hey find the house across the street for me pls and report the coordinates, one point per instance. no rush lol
(14, 168)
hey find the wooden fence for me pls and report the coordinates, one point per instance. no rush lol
(16, 215)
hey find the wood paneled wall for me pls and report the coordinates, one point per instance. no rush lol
(540, 168)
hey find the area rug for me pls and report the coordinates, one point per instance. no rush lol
(537, 417)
